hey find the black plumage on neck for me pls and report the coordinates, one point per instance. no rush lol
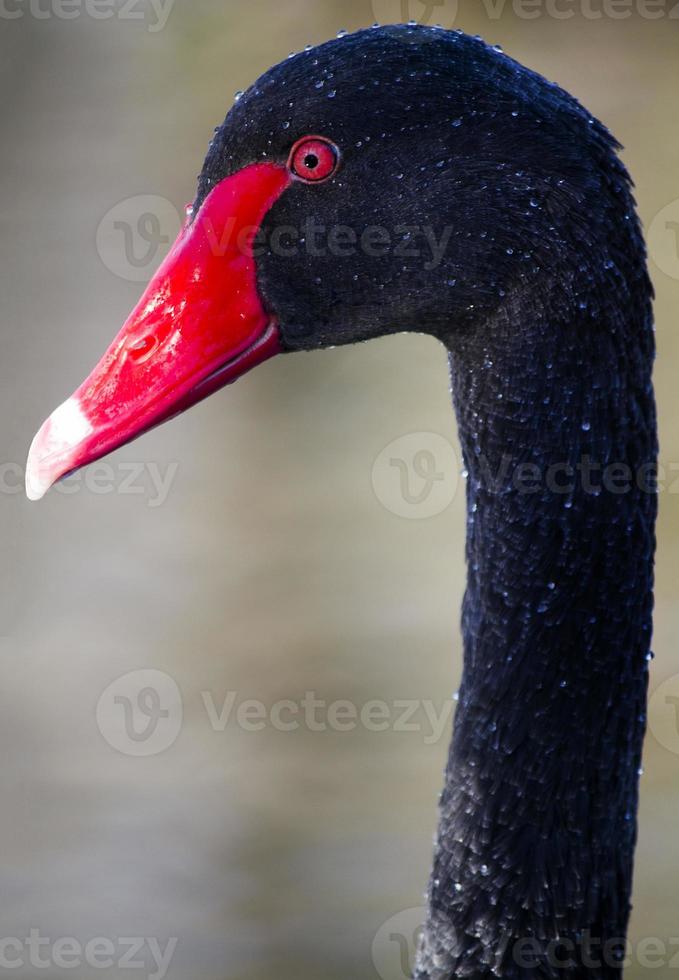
(533, 866)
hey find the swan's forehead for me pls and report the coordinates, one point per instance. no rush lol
(362, 75)
(385, 84)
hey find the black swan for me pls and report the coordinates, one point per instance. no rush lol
(313, 224)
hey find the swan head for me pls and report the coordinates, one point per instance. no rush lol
(401, 178)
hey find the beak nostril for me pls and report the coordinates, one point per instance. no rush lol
(141, 349)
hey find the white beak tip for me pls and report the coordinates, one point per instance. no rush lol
(37, 479)
(32, 492)
(53, 448)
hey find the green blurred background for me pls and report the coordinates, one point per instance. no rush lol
(271, 568)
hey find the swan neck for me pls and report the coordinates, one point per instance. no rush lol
(538, 814)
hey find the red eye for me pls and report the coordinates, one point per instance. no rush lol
(313, 159)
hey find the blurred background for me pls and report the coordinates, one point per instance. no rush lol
(254, 550)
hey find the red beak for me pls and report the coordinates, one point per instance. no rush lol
(199, 325)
